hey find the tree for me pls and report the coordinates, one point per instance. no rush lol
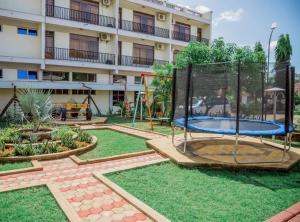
(163, 86)
(283, 50)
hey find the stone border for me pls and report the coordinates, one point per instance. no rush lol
(63, 203)
(143, 130)
(150, 212)
(36, 166)
(82, 122)
(51, 156)
(105, 159)
(286, 215)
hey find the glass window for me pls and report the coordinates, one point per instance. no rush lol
(137, 80)
(22, 74)
(22, 31)
(0, 28)
(118, 79)
(118, 96)
(32, 32)
(32, 75)
(143, 54)
(1, 74)
(84, 77)
(55, 76)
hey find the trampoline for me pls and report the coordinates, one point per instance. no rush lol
(220, 125)
(234, 98)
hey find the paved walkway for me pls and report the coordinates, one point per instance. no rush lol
(88, 196)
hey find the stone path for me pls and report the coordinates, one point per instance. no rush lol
(88, 196)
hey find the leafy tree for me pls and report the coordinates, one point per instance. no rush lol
(163, 86)
(221, 51)
(283, 50)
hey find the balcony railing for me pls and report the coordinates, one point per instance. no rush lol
(80, 16)
(143, 28)
(138, 61)
(79, 55)
(188, 38)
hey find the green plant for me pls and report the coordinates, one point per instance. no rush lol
(2, 145)
(68, 141)
(283, 49)
(34, 138)
(84, 136)
(36, 106)
(10, 135)
(50, 147)
(58, 134)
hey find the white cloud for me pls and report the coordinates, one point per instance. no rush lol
(273, 44)
(230, 16)
(202, 9)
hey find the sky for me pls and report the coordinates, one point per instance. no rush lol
(245, 22)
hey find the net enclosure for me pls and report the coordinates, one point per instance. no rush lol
(237, 98)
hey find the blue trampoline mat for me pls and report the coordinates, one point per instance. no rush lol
(223, 125)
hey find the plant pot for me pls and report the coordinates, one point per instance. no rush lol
(42, 134)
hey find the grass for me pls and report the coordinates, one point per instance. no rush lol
(145, 125)
(34, 204)
(190, 194)
(111, 143)
(14, 166)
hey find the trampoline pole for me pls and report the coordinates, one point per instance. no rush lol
(235, 148)
(185, 139)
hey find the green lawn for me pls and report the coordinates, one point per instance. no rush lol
(111, 143)
(14, 166)
(184, 194)
(34, 204)
(165, 128)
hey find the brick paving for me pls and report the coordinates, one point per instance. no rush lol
(88, 196)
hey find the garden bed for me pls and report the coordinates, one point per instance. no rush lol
(184, 194)
(111, 143)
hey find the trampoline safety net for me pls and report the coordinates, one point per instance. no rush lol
(235, 96)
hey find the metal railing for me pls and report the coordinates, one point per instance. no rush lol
(188, 38)
(138, 61)
(143, 28)
(80, 16)
(79, 55)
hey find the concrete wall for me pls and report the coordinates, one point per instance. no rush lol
(14, 44)
(28, 6)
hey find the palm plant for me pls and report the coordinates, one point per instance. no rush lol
(36, 106)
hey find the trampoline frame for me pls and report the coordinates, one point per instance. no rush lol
(289, 95)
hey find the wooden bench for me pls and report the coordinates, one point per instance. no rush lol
(70, 106)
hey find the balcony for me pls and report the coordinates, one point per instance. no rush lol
(139, 61)
(80, 16)
(188, 38)
(79, 55)
(143, 28)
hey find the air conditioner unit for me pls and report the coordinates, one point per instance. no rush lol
(104, 37)
(161, 17)
(106, 2)
(160, 46)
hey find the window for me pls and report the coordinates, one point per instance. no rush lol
(57, 91)
(143, 54)
(84, 77)
(0, 28)
(49, 52)
(118, 79)
(32, 32)
(86, 47)
(84, 11)
(55, 76)
(182, 32)
(25, 74)
(118, 96)
(83, 92)
(137, 80)
(143, 22)
(1, 74)
(22, 31)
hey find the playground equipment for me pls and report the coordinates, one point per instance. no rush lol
(146, 93)
(14, 100)
(249, 111)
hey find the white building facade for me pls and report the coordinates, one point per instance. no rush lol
(59, 44)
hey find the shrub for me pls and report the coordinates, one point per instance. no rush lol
(84, 136)
(10, 135)
(34, 138)
(2, 145)
(58, 134)
(37, 149)
(24, 150)
(68, 141)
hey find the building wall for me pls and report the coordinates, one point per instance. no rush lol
(28, 6)
(14, 44)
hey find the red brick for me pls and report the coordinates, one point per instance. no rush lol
(294, 209)
(281, 217)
